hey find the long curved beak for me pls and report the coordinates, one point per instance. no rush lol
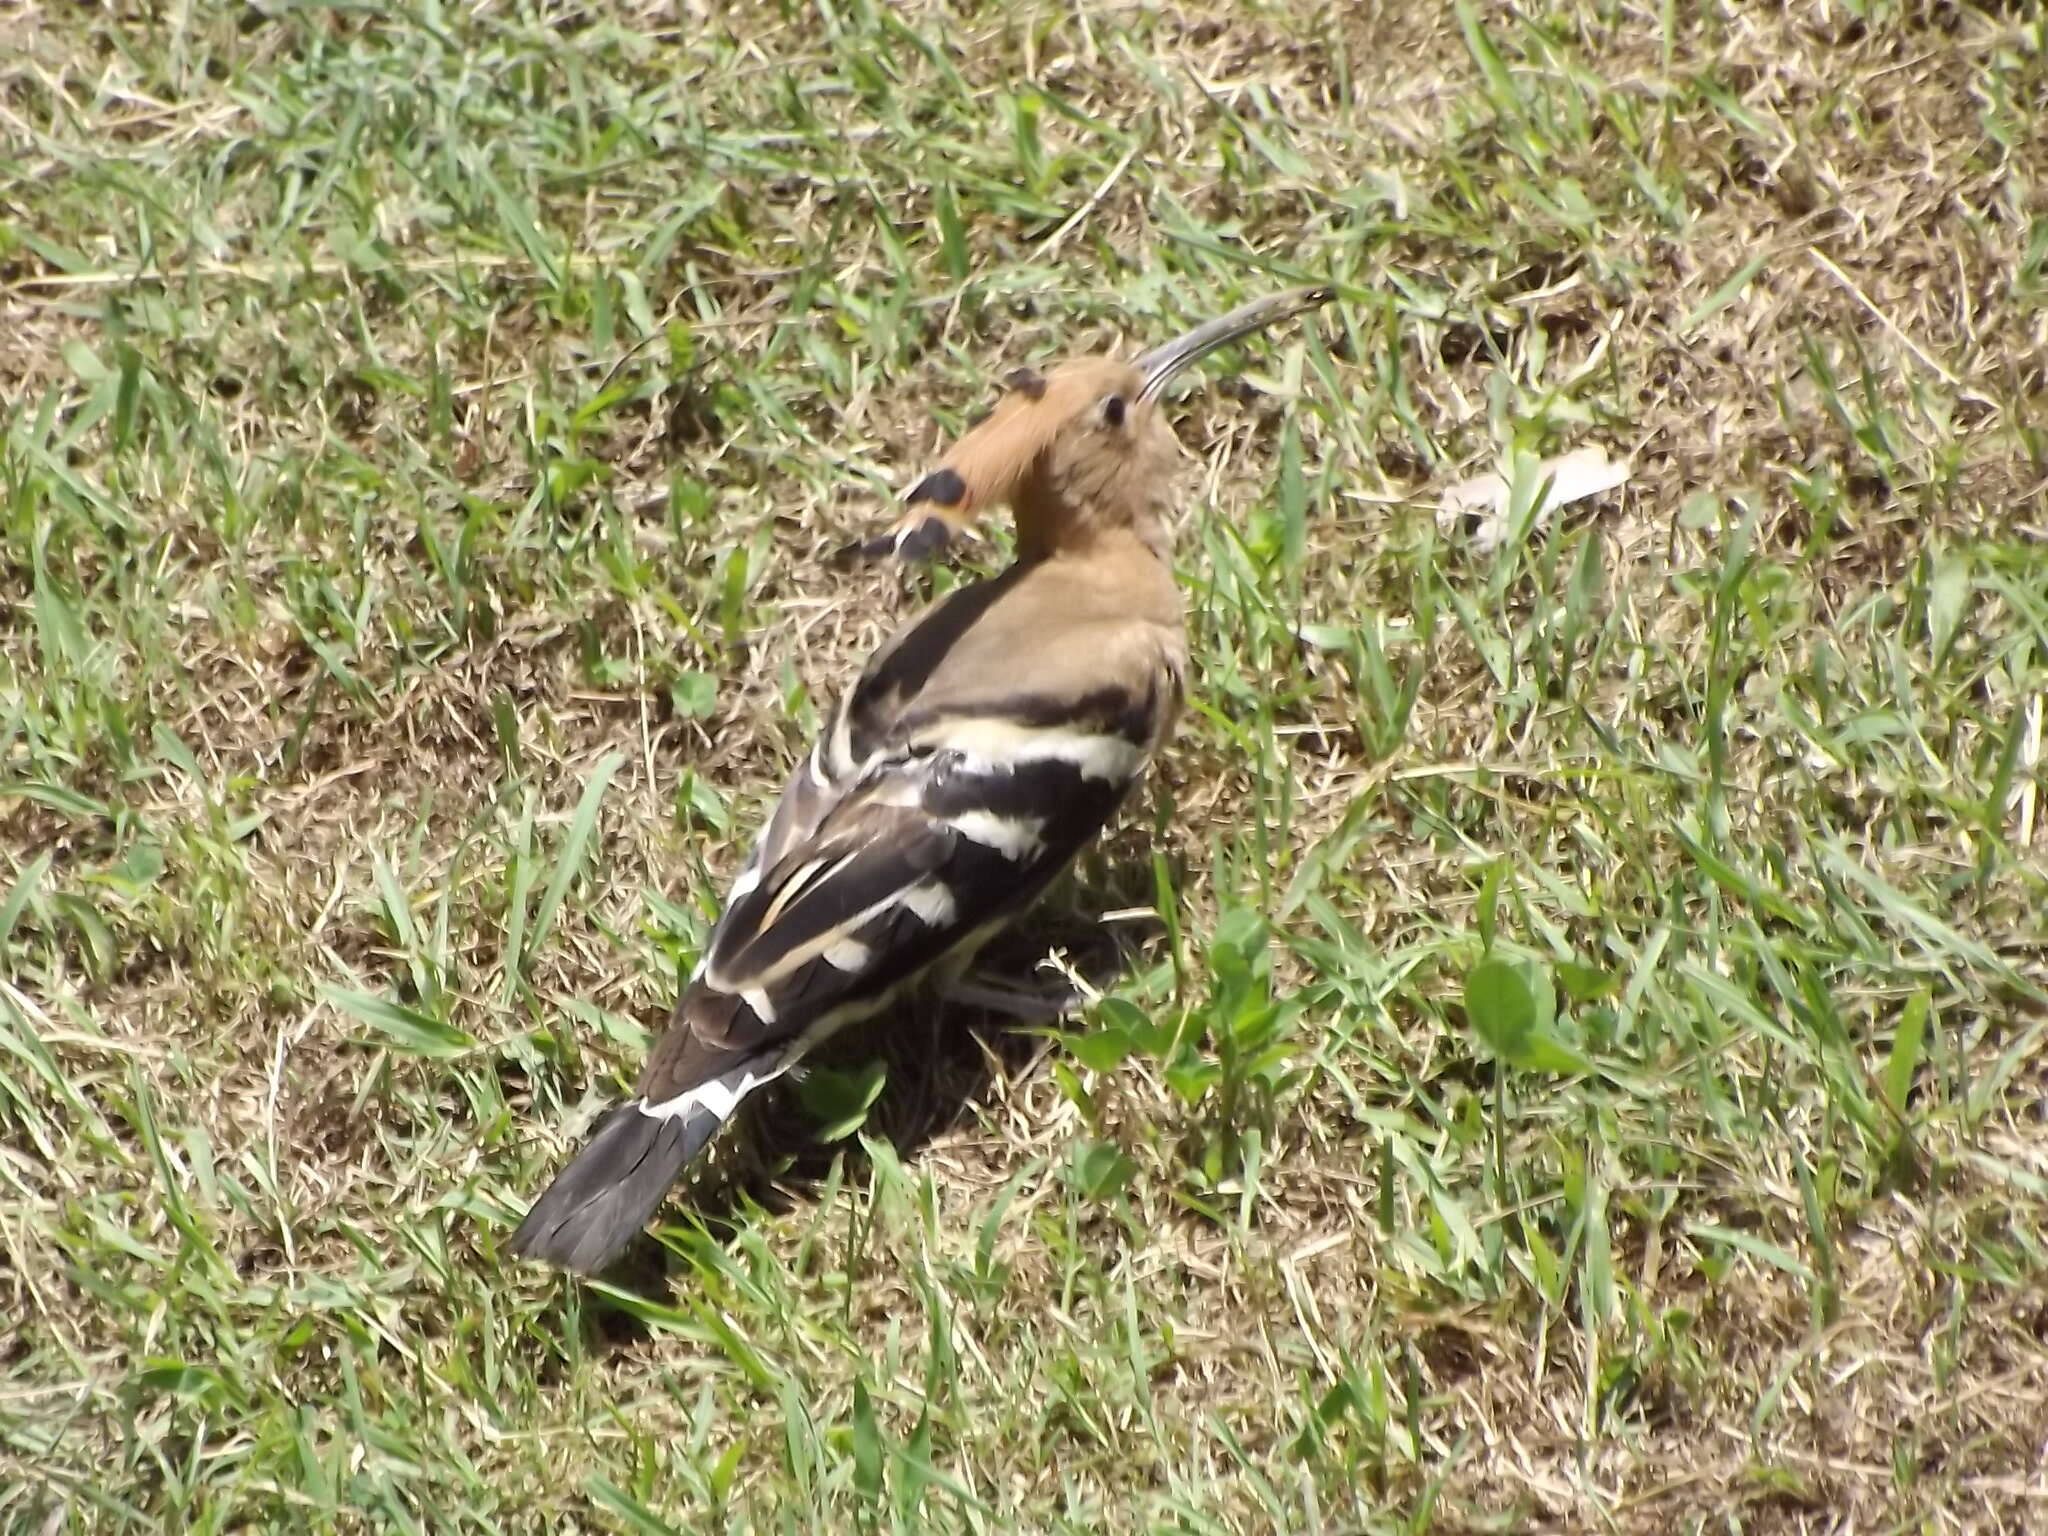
(1160, 364)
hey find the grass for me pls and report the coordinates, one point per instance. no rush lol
(1583, 1067)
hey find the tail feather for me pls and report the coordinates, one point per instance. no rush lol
(605, 1196)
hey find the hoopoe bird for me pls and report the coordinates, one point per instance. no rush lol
(980, 749)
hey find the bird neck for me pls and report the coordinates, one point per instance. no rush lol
(1053, 522)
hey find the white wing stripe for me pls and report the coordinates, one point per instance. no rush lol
(1015, 837)
(743, 885)
(823, 945)
(931, 901)
(721, 1095)
(848, 955)
(990, 742)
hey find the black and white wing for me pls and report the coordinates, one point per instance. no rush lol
(923, 824)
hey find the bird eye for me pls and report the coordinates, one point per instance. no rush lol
(1113, 411)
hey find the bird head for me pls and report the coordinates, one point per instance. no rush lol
(1074, 451)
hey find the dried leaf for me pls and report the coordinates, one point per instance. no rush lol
(1480, 505)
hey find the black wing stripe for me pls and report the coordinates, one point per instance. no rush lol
(983, 886)
(896, 944)
(1053, 793)
(902, 852)
(1115, 709)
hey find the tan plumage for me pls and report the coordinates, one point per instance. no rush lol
(981, 748)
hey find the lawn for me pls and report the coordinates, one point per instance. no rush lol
(1570, 1037)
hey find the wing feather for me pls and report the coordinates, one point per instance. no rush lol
(929, 848)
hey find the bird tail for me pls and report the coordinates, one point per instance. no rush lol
(603, 1199)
